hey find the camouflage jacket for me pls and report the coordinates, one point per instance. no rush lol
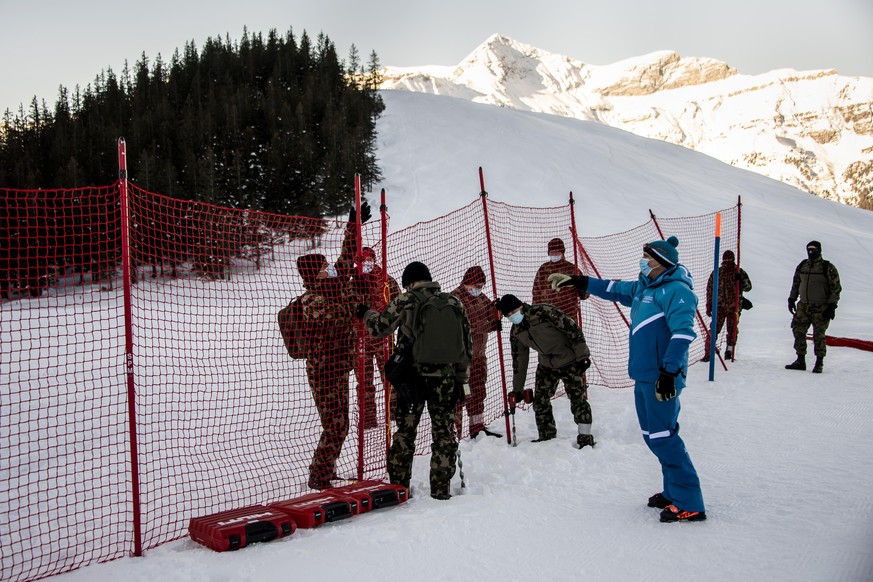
(328, 313)
(729, 275)
(482, 316)
(398, 315)
(816, 282)
(374, 292)
(566, 299)
(557, 339)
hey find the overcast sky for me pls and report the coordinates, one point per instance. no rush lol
(53, 42)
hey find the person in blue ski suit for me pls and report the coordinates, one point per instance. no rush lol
(663, 306)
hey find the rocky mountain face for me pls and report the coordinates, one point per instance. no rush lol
(810, 129)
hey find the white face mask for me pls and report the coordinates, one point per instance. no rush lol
(554, 258)
(330, 271)
(474, 291)
(367, 266)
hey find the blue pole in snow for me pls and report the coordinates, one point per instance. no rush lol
(712, 326)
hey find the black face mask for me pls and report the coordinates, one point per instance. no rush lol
(813, 254)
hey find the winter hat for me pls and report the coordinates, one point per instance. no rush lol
(728, 257)
(309, 266)
(413, 272)
(368, 254)
(814, 243)
(508, 303)
(556, 245)
(664, 251)
(474, 276)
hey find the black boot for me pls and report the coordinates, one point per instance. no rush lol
(819, 362)
(798, 364)
(584, 440)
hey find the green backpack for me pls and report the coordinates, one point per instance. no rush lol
(438, 329)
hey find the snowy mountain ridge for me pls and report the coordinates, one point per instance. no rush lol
(810, 129)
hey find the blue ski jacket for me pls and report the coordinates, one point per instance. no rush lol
(662, 320)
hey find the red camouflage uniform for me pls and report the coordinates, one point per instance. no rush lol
(370, 287)
(483, 319)
(565, 299)
(328, 312)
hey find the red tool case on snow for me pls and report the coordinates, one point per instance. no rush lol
(317, 508)
(374, 494)
(238, 528)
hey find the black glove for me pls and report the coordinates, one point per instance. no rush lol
(361, 310)
(365, 213)
(585, 364)
(792, 305)
(709, 312)
(558, 280)
(665, 387)
(830, 311)
(498, 326)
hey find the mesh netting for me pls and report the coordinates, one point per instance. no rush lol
(224, 415)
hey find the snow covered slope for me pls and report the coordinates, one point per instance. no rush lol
(810, 129)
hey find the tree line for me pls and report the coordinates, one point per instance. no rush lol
(271, 123)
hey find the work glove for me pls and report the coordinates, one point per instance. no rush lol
(516, 398)
(792, 305)
(361, 310)
(665, 387)
(830, 311)
(559, 280)
(365, 213)
(498, 326)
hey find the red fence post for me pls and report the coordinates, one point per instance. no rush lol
(737, 292)
(128, 345)
(383, 211)
(361, 331)
(484, 196)
(573, 234)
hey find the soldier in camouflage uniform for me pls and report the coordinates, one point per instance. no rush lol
(563, 355)
(817, 284)
(483, 320)
(374, 292)
(329, 343)
(564, 299)
(730, 279)
(434, 385)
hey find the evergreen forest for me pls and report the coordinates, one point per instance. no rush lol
(273, 123)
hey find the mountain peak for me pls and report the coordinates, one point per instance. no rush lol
(813, 130)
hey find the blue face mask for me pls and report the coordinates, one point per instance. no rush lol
(645, 269)
(516, 317)
(330, 270)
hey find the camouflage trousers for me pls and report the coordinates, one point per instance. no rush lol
(329, 385)
(441, 400)
(724, 316)
(577, 391)
(810, 314)
(475, 403)
(373, 350)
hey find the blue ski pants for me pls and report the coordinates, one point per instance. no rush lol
(659, 422)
